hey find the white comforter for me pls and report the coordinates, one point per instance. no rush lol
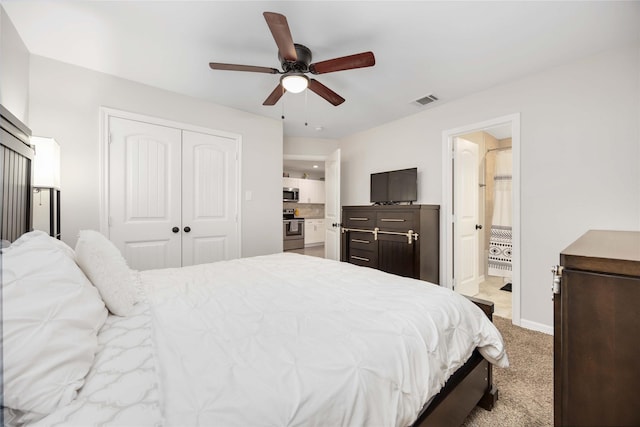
(293, 340)
(279, 340)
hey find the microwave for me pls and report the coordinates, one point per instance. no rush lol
(290, 194)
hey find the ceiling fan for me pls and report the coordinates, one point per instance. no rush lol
(295, 60)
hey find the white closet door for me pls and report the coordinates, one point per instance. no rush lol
(210, 191)
(144, 193)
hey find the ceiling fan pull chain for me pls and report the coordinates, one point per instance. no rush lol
(306, 108)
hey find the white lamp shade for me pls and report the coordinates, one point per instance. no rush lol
(46, 162)
(295, 83)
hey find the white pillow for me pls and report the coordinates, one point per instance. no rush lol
(51, 317)
(103, 264)
(38, 234)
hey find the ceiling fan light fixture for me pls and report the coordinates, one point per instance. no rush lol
(295, 82)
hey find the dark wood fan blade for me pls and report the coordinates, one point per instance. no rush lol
(325, 92)
(235, 67)
(275, 95)
(359, 60)
(282, 35)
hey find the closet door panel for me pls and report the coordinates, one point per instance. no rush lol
(210, 188)
(205, 249)
(144, 193)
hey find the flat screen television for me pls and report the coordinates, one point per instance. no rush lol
(394, 186)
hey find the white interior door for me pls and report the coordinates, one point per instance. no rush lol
(332, 206)
(210, 230)
(466, 213)
(144, 193)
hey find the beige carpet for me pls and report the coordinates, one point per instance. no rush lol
(525, 388)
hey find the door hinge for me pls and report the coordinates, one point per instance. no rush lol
(110, 221)
(557, 278)
(110, 137)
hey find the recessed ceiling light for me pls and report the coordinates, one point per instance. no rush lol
(319, 128)
(315, 166)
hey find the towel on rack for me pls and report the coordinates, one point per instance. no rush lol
(293, 226)
(501, 238)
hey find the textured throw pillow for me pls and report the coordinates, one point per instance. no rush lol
(104, 265)
(51, 315)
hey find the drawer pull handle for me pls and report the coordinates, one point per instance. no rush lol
(357, 218)
(360, 241)
(360, 258)
(392, 220)
(411, 235)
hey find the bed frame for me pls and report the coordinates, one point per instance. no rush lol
(16, 156)
(468, 387)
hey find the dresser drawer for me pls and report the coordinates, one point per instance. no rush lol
(359, 219)
(391, 251)
(363, 257)
(363, 241)
(401, 221)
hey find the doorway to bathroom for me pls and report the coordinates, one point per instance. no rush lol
(481, 213)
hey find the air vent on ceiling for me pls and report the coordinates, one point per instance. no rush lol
(426, 100)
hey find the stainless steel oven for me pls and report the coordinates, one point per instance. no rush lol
(290, 194)
(292, 230)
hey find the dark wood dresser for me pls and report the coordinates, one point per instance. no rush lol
(597, 331)
(398, 239)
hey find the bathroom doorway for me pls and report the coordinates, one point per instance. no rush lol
(481, 213)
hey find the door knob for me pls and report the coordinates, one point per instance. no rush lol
(175, 229)
(478, 227)
(187, 229)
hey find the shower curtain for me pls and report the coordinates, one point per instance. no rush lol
(500, 241)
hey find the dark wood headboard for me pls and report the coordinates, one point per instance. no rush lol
(15, 177)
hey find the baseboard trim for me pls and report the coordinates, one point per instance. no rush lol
(535, 326)
(312, 245)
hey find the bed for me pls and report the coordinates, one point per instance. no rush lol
(281, 339)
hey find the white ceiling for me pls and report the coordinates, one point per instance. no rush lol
(449, 49)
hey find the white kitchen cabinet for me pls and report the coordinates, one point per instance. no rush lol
(313, 231)
(311, 191)
(316, 191)
(290, 182)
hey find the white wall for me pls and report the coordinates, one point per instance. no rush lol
(14, 70)
(309, 146)
(580, 146)
(64, 104)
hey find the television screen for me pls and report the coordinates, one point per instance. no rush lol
(395, 186)
(379, 187)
